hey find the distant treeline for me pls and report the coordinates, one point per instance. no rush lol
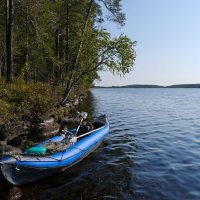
(155, 86)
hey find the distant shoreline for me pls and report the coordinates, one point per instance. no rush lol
(153, 86)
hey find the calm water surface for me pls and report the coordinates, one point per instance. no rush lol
(152, 151)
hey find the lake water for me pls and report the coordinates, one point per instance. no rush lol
(151, 153)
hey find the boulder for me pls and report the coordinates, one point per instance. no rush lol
(9, 150)
(3, 142)
(44, 130)
(11, 130)
(18, 140)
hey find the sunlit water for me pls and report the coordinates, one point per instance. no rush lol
(152, 151)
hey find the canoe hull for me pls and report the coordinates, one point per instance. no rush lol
(21, 175)
(24, 175)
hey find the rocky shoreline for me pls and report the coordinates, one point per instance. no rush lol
(16, 137)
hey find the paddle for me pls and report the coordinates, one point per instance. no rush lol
(83, 116)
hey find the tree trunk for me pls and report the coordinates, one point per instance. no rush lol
(66, 69)
(9, 39)
(83, 34)
(27, 47)
(70, 85)
(1, 63)
(66, 92)
(67, 34)
(57, 35)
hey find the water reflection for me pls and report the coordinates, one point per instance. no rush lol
(15, 193)
(4, 188)
(96, 177)
(8, 192)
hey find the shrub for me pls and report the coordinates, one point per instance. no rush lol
(25, 102)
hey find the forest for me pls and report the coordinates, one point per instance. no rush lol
(53, 50)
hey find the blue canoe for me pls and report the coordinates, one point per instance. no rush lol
(26, 168)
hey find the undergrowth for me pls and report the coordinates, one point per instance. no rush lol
(27, 102)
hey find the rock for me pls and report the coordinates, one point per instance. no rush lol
(9, 150)
(11, 130)
(44, 130)
(67, 104)
(72, 117)
(18, 140)
(2, 134)
(70, 120)
(20, 134)
(76, 102)
(2, 143)
(48, 127)
(50, 120)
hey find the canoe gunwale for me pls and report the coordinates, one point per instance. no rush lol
(25, 156)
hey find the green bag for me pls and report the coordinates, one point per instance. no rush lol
(39, 150)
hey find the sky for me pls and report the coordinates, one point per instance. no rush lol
(168, 42)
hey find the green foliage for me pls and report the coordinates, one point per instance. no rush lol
(5, 110)
(25, 102)
(115, 11)
(60, 43)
